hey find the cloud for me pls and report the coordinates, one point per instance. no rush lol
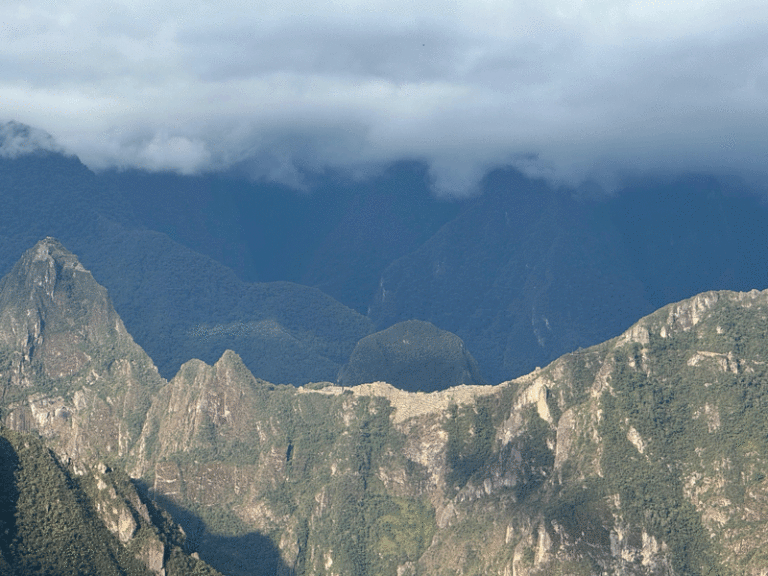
(18, 139)
(569, 90)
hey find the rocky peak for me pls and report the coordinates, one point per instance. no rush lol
(49, 278)
(68, 367)
(202, 409)
(53, 313)
(643, 455)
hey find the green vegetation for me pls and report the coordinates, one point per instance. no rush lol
(282, 480)
(9, 463)
(651, 492)
(536, 457)
(582, 509)
(393, 530)
(650, 487)
(55, 530)
(49, 524)
(403, 531)
(330, 445)
(470, 442)
(375, 531)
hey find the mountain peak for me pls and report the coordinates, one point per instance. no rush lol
(17, 139)
(50, 277)
(48, 263)
(66, 359)
(55, 316)
(413, 355)
(50, 248)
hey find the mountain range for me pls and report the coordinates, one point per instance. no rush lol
(644, 454)
(234, 377)
(292, 280)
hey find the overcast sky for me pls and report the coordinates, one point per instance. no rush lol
(565, 88)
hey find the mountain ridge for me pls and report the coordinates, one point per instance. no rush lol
(522, 272)
(641, 455)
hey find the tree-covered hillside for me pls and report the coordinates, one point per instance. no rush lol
(55, 521)
(522, 272)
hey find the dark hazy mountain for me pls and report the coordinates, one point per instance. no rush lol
(337, 237)
(643, 455)
(522, 273)
(183, 305)
(179, 303)
(692, 234)
(526, 273)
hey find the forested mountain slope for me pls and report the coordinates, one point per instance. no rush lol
(81, 521)
(178, 303)
(522, 272)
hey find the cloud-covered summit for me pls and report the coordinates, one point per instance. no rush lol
(17, 139)
(569, 90)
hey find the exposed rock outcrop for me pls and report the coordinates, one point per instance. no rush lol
(640, 456)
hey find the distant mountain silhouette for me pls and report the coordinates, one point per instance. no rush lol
(521, 273)
(338, 237)
(692, 234)
(178, 303)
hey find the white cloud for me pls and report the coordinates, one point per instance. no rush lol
(18, 139)
(590, 88)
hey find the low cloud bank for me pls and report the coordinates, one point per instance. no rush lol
(569, 91)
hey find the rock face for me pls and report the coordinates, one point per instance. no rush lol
(71, 372)
(69, 368)
(411, 355)
(644, 455)
(638, 456)
(51, 309)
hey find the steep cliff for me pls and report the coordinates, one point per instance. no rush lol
(642, 455)
(81, 521)
(70, 372)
